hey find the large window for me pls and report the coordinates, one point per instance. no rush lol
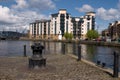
(88, 26)
(48, 28)
(55, 27)
(37, 25)
(41, 28)
(66, 26)
(44, 28)
(62, 23)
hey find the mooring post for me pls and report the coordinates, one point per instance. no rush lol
(79, 53)
(116, 65)
(74, 48)
(25, 51)
(63, 48)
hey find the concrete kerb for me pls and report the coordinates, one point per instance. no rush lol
(107, 70)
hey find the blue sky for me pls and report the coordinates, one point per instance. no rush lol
(17, 14)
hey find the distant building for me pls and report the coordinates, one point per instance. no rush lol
(61, 23)
(114, 30)
(105, 33)
(40, 29)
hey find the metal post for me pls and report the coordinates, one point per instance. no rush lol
(116, 65)
(63, 48)
(44, 46)
(25, 51)
(74, 48)
(79, 53)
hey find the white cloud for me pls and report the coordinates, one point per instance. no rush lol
(20, 4)
(109, 14)
(41, 4)
(25, 18)
(34, 4)
(20, 20)
(102, 13)
(6, 15)
(19, 15)
(85, 8)
(28, 16)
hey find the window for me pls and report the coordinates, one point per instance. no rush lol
(66, 26)
(55, 27)
(88, 26)
(48, 28)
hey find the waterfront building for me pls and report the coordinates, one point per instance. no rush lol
(61, 23)
(76, 24)
(40, 29)
(81, 25)
(105, 33)
(114, 30)
(88, 24)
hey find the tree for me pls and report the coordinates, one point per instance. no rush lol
(68, 35)
(92, 34)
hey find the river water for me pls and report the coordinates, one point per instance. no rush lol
(89, 52)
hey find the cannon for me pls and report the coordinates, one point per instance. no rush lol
(37, 59)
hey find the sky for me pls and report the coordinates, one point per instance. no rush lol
(15, 15)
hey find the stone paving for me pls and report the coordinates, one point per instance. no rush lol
(58, 67)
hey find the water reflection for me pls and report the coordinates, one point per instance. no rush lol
(13, 48)
(89, 52)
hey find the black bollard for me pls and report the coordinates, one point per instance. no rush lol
(25, 51)
(116, 65)
(44, 46)
(103, 64)
(74, 48)
(63, 48)
(98, 62)
(79, 53)
(48, 45)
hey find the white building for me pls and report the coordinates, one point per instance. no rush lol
(81, 25)
(88, 24)
(61, 23)
(40, 29)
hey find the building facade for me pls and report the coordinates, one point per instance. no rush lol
(81, 25)
(61, 23)
(40, 29)
(88, 24)
(105, 33)
(114, 30)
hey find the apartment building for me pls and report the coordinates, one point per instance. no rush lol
(88, 24)
(81, 25)
(61, 23)
(114, 30)
(40, 29)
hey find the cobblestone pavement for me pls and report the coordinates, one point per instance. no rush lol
(58, 67)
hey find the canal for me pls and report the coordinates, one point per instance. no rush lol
(89, 52)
